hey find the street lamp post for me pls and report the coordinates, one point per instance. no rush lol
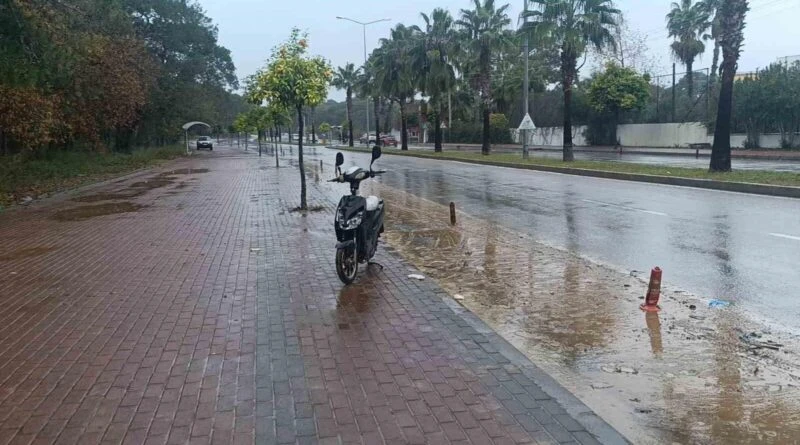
(364, 28)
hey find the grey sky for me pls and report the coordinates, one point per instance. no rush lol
(250, 28)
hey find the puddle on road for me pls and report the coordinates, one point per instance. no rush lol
(92, 211)
(185, 171)
(153, 183)
(26, 253)
(679, 376)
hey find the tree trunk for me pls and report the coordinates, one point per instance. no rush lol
(485, 143)
(350, 115)
(690, 78)
(403, 125)
(437, 131)
(721, 150)
(715, 60)
(568, 68)
(376, 106)
(386, 109)
(303, 203)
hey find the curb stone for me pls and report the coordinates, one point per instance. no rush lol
(736, 187)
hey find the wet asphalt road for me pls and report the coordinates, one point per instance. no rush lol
(737, 247)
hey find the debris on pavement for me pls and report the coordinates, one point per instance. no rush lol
(752, 340)
(458, 297)
(714, 304)
(415, 276)
(601, 385)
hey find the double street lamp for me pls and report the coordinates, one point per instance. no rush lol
(364, 27)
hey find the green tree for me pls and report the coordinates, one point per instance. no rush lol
(434, 61)
(752, 108)
(394, 72)
(345, 78)
(731, 15)
(572, 26)
(687, 24)
(292, 79)
(485, 30)
(325, 128)
(617, 90)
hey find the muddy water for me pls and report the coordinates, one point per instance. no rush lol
(683, 375)
(93, 211)
(115, 196)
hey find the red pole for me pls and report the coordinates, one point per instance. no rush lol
(653, 292)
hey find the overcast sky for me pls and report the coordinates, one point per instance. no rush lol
(250, 28)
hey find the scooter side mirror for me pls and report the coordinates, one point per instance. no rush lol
(376, 153)
(339, 159)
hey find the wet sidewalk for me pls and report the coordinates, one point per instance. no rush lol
(189, 305)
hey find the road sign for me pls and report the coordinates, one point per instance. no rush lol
(527, 123)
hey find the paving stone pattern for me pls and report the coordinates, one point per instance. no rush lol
(214, 315)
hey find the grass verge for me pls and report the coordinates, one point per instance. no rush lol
(22, 176)
(512, 160)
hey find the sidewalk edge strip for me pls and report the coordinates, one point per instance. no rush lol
(604, 432)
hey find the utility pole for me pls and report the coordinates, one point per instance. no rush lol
(673, 92)
(364, 30)
(525, 92)
(527, 122)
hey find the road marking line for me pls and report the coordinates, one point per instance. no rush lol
(780, 235)
(651, 212)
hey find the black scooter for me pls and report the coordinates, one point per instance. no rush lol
(358, 221)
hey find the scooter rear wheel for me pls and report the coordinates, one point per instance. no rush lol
(347, 263)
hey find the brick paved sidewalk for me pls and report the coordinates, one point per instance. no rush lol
(208, 313)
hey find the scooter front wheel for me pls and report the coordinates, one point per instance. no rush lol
(346, 264)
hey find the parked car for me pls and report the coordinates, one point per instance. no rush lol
(205, 142)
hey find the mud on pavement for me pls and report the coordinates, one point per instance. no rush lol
(689, 374)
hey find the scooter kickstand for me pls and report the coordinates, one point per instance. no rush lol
(374, 263)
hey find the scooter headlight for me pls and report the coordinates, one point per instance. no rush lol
(353, 222)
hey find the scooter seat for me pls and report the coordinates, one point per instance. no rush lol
(372, 203)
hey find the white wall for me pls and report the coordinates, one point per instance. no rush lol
(554, 136)
(648, 135)
(662, 135)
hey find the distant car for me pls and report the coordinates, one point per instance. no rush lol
(388, 141)
(205, 142)
(366, 139)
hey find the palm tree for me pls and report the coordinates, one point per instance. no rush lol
(687, 24)
(731, 20)
(485, 30)
(345, 78)
(434, 62)
(394, 74)
(572, 25)
(712, 7)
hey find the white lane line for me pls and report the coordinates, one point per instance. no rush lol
(780, 235)
(606, 204)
